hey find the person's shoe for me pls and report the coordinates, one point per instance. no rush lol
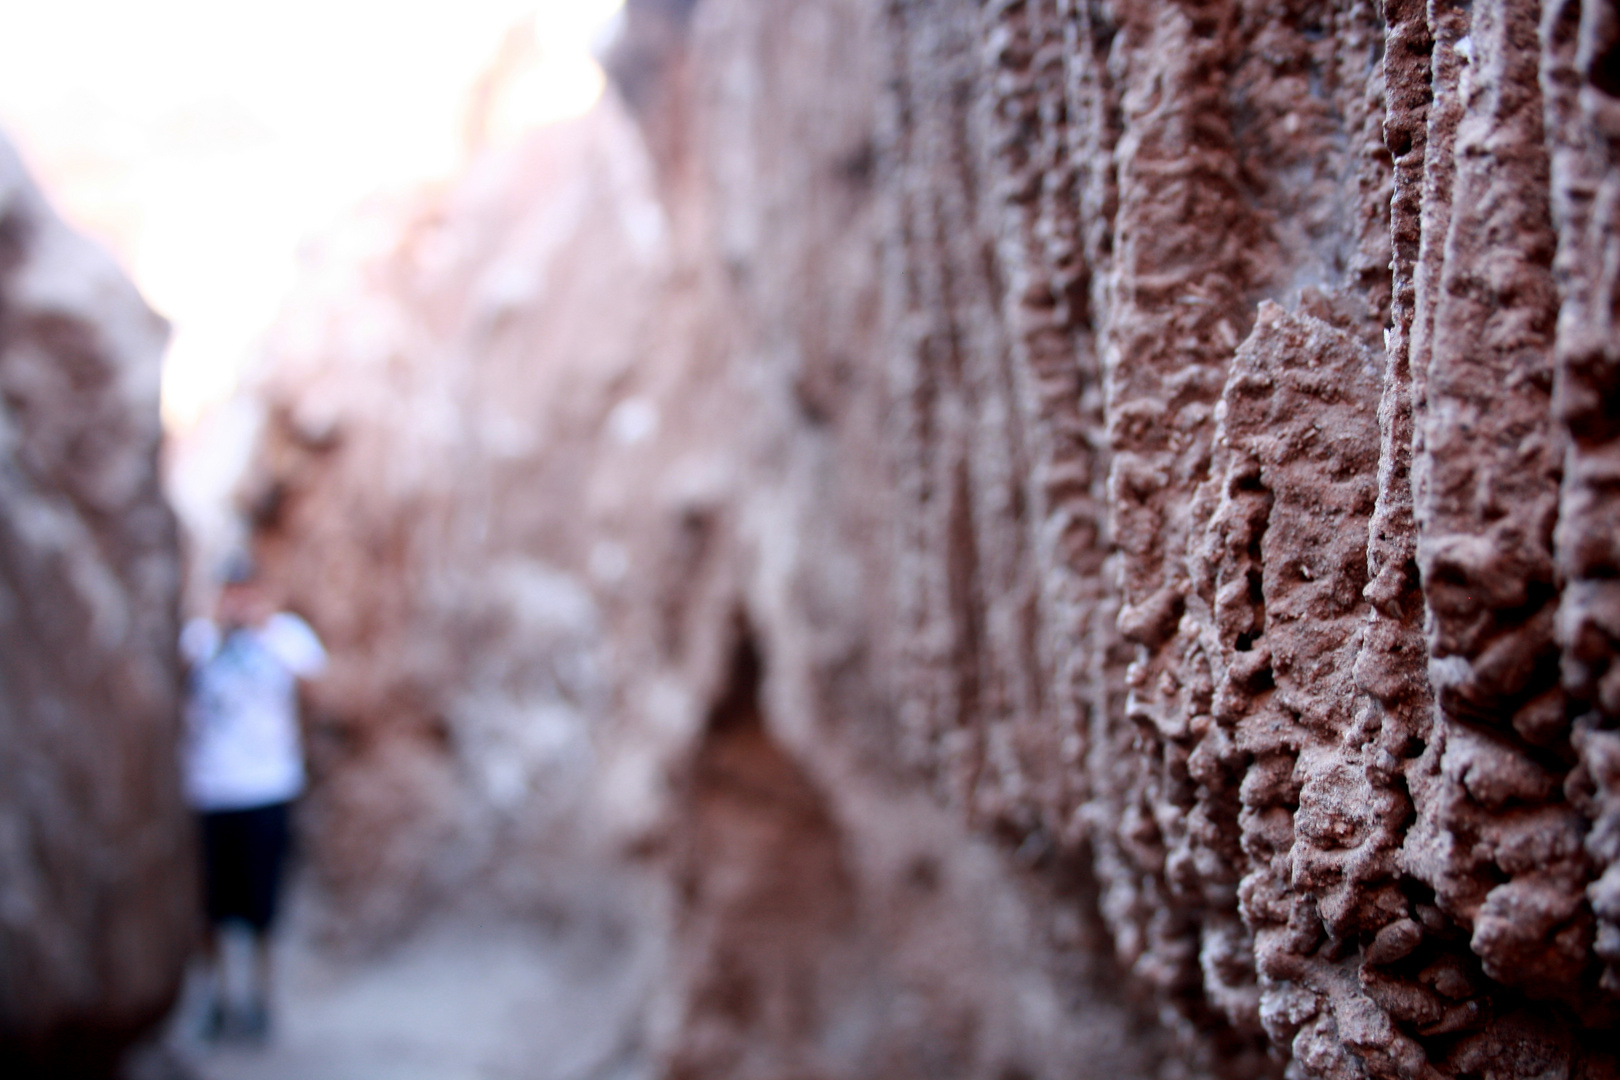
(253, 1023)
(217, 1022)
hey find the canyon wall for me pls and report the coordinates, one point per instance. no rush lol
(1051, 537)
(96, 888)
(437, 384)
(1275, 353)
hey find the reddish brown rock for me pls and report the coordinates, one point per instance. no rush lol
(1280, 726)
(448, 359)
(96, 886)
(1172, 437)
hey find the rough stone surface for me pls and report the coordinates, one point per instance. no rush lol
(447, 360)
(96, 886)
(1326, 254)
(1097, 522)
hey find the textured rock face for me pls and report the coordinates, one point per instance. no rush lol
(436, 385)
(96, 892)
(1288, 303)
(1174, 437)
(501, 474)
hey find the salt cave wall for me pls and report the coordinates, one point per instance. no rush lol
(1118, 489)
(96, 887)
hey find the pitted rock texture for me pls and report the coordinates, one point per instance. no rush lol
(556, 376)
(1175, 437)
(1335, 270)
(97, 890)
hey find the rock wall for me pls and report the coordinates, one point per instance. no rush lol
(96, 888)
(503, 473)
(1073, 496)
(1250, 331)
(436, 384)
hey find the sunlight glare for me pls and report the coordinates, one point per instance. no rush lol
(205, 142)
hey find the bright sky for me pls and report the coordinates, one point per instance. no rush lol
(205, 140)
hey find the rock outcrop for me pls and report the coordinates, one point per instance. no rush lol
(96, 888)
(1090, 524)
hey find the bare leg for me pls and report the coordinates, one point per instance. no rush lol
(210, 949)
(258, 1014)
(265, 967)
(213, 957)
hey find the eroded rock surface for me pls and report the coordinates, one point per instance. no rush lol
(96, 886)
(1121, 492)
(1324, 255)
(448, 360)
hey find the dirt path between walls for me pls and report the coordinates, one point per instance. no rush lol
(461, 999)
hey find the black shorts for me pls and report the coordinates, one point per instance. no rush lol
(244, 853)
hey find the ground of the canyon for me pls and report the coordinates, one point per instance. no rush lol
(460, 998)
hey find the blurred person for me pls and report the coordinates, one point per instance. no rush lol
(243, 766)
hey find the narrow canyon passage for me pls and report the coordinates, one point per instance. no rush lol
(897, 540)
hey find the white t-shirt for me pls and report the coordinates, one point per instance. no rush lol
(242, 747)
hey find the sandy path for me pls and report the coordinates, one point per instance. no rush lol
(460, 1000)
